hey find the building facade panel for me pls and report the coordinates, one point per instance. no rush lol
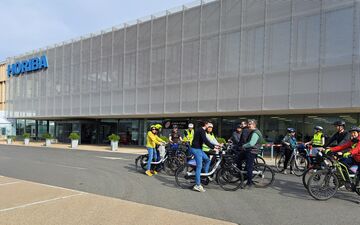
(218, 56)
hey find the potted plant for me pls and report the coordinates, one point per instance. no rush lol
(114, 141)
(26, 137)
(74, 137)
(47, 138)
(10, 139)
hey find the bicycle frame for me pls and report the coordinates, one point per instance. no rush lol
(216, 166)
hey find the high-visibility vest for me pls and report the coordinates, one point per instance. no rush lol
(210, 137)
(317, 139)
(189, 135)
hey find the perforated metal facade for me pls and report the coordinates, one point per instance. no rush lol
(220, 56)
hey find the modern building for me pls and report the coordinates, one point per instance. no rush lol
(6, 127)
(287, 63)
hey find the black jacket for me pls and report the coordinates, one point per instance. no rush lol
(235, 137)
(340, 138)
(200, 139)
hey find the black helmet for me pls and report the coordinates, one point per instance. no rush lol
(290, 130)
(318, 128)
(339, 123)
(357, 129)
(239, 126)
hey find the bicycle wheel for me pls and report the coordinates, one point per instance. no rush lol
(230, 179)
(185, 177)
(171, 165)
(259, 160)
(323, 185)
(142, 161)
(263, 176)
(306, 175)
(300, 163)
(279, 162)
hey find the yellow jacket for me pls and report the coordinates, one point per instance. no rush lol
(152, 140)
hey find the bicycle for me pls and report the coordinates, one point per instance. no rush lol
(324, 184)
(169, 161)
(228, 176)
(298, 162)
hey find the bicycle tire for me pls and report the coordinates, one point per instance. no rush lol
(182, 179)
(143, 161)
(279, 162)
(260, 160)
(306, 175)
(230, 179)
(263, 176)
(171, 165)
(323, 178)
(300, 164)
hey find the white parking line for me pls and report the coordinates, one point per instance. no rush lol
(40, 202)
(15, 182)
(113, 158)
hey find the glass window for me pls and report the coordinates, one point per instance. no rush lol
(52, 128)
(20, 126)
(326, 121)
(107, 127)
(129, 132)
(31, 127)
(42, 127)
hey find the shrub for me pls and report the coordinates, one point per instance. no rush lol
(114, 137)
(46, 136)
(221, 140)
(26, 135)
(12, 137)
(74, 136)
(164, 138)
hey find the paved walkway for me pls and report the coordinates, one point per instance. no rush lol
(24, 202)
(101, 148)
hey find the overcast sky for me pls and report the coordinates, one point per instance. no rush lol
(33, 24)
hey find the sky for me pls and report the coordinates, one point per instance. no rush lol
(32, 24)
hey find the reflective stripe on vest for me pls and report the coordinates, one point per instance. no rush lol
(210, 137)
(317, 139)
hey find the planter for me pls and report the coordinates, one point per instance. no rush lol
(9, 141)
(47, 142)
(114, 145)
(26, 141)
(74, 143)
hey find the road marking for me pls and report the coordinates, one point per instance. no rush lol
(112, 158)
(15, 182)
(61, 165)
(40, 202)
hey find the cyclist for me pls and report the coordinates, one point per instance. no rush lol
(152, 139)
(341, 136)
(189, 133)
(251, 148)
(174, 138)
(289, 144)
(200, 156)
(353, 156)
(211, 138)
(318, 140)
(235, 137)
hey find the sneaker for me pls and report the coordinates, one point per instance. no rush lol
(148, 172)
(154, 172)
(285, 172)
(248, 187)
(211, 179)
(292, 172)
(198, 188)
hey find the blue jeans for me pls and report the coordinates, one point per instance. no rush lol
(200, 156)
(152, 155)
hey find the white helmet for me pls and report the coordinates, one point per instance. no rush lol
(191, 125)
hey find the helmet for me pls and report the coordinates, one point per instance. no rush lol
(158, 126)
(318, 128)
(290, 130)
(210, 125)
(239, 126)
(339, 123)
(191, 125)
(175, 126)
(357, 129)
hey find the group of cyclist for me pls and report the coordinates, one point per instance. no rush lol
(247, 141)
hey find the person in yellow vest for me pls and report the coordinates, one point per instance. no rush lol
(189, 133)
(211, 137)
(318, 140)
(152, 139)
